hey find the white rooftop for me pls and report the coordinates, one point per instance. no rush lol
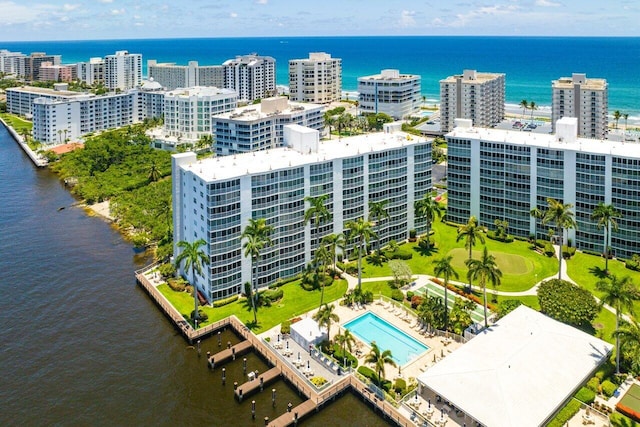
(595, 146)
(519, 371)
(200, 91)
(227, 167)
(279, 105)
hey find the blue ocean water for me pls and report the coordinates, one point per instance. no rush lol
(530, 63)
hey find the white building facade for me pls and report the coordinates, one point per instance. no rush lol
(172, 76)
(214, 199)
(582, 98)
(10, 61)
(497, 174)
(317, 79)
(472, 95)
(91, 72)
(122, 70)
(397, 95)
(251, 76)
(260, 126)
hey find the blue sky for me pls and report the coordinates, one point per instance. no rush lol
(109, 19)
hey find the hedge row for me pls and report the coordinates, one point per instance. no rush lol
(491, 234)
(221, 302)
(565, 414)
(371, 375)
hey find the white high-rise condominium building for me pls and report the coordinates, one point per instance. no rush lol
(472, 95)
(251, 76)
(317, 79)
(214, 199)
(502, 174)
(172, 76)
(397, 95)
(122, 70)
(260, 126)
(10, 61)
(582, 98)
(91, 72)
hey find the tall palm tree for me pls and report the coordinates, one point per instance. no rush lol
(379, 360)
(256, 236)
(537, 214)
(329, 120)
(325, 316)
(470, 232)
(361, 231)
(561, 215)
(334, 242)
(616, 116)
(346, 341)
(606, 216)
(625, 116)
(154, 173)
(318, 213)
(532, 107)
(322, 259)
(619, 294)
(444, 269)
(377, 213)
(429, 209)
(525, 105)
(484, 269)
(194, 258)
(629, 335)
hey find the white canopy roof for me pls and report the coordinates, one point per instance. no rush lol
(517, 372)
(307, 332)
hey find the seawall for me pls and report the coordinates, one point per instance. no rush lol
(37, 160)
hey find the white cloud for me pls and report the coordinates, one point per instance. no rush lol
(69, 7)
(117, 12)
(407, 18)
(485, 12)
(233, 15)
(13, 13)
(262, 1)
(106, 1)
(547, 3)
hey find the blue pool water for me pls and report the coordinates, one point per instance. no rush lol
(370, 327)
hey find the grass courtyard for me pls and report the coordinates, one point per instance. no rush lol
(16, 122)
(521, 266)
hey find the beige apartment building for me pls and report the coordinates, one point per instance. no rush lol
(585, 99)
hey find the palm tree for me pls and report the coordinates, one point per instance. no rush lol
(318, 213)
(537, 214)
(154, 173)
(379, 360)
(484, 269)
(629, 335)
(532, 106)
(616, 116)
(625, 116)
(563, 218)
(429, 209)
(25, 134)
(257, 237)
(325, 316)
(619, 294)
(329, 120)
(334, 242)
(194, 258)
(60, 136)
(322, 258)
(525, 105)
(377, 213)
(361, 231)
(470, 232)
(606, 216)
(444, 269)
(346, 341)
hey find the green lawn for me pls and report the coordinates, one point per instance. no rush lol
(296, 301)
(521, 266)
(16, 122)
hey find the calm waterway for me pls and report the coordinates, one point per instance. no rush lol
(83, 345)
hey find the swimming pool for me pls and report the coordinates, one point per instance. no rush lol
(370, 327)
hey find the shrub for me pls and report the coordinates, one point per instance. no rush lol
(225, 301)
(351, 360)
(608, 388)
(397, 295)
(586, 395)
(632, 265)
(281, 282)
(568, 252)
(565, 414)
(202, 316)
(416, 300)
(507, 306)
(399, 253)
(400, 386)
(593, 384)
(540, 243)
(273, 294)
(318, 381)
(371, 375)
(285, 328)
(410, 295)
(588, 252)
(491, 234)
(177, 285)
(548, 249)
(620, 420)
(568, 303)
(167, 270)
(605, 370)
(352, 270)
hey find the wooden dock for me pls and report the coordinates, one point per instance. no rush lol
(299, 412)
(260, 381)
(227, 354)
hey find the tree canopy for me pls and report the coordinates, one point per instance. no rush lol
(567, 302)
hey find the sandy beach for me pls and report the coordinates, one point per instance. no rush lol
(101, 209)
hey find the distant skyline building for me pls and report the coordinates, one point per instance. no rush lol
(57, 73)
(91, 72)
(582, 98)
(214, 199)
(29, 66)
(317, 79)
(472, 95)
(122, 70)
(10, 61)
(251, 76)
(260, 126)
(503, 174)
(172, 76)
(397, 95)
